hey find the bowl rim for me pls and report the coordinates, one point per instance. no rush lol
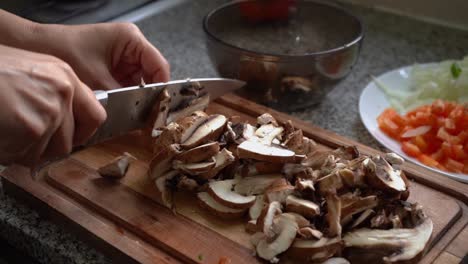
(276, 56)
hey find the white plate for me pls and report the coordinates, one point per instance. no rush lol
(373, 102)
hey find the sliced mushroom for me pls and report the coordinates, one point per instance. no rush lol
(161, 109)
(305, 185)
(299, 219)
(222, 159)
(394, 159)
(206, 201)
(200, 153)
(116, 168)
(267, 133)
(314, 250)
(309, 233)
(381, 175)
(164, 192)
(194, 168)
(301, 206)
(162, 162)
(296, 83)
(363, 217)
(187, 184)
(278, 191)
(285, 229)
(336, 261)
(333, 215)
(265, 119)
(251, 226)
(254, 185)
(222, 192)
(296, 142)
(265, 220)
(207, 131)
(256, 209)
(262, 167)
(359, 205)
(330, 183)
(170, 134)
(258, 151)
(249, 132)
(197, 104)
(190, 123)
(389, 246)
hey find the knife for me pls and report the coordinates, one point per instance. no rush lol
(129, 108)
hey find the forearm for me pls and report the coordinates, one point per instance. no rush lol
(28, 35)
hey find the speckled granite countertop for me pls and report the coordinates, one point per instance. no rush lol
(390, 42)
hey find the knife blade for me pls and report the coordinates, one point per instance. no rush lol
(129, 108)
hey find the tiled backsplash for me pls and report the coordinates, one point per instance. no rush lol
(453, 13)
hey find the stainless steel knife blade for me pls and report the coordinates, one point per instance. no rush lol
(129, 108)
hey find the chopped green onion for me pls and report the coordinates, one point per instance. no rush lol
(456, 70)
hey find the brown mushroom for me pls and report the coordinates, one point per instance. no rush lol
(222, 192)
(116, 168)
(194, 168)
(284, 229)
(207, 202)
(362, 217)
(278, 191)
(309, 233)
(265, 119)
(395, 245)
(302, 206)
(197, 104)
(161, 109)
(305, 185)
(200, 153)
(187, 184)
(162, 162)
(333, 215)
(381, 175)
(359, 205)
(209, 130)
(256, 209)
(164, 193)
(267, 133)
(170, 134)
(222, 160)
(254, 185)
(271, 153)
(314, 250)
(265, 220)
(330, 183)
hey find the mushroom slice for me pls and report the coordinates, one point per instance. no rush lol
(363, 217)
(394, 159)
(251, 226)
(262, 167)
(161, 109)
(301, 206)
(308, 232)
(265, 220)
(116, 168)
(258, 151)
(299, 219)
(267, 133)
(278, 191)
(200, 153)
(314, 250)
(381, 175)
(254, 185)
(249, 132)
(164, 192)
(197, 104)
(359, 205)
(336, 261)
(194, 168)
(285, 229)
(222, 192)
(210, 130)
(187, 184)
(330, 183)
(223, 159)
(256, 209)
(190, 123)
(170, 134)
(389, 246)
(265, 119)
(207, 202)
(333, 215)
(162, 162)
(305, 185)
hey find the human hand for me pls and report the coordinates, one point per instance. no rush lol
(46, 109)
(108, 55)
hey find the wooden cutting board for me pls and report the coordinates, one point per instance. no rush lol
(123, 219)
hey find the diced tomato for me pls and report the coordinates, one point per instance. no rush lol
(458, 152)
(438, 155)
(453, 165)
(410, 149)
(389, 127)
(425, 159)
(447, 149)
(420, 142)
(444, 135)
(438, 108)
(450, 126)
(463, 136)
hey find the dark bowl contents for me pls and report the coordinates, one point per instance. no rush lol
(291, 53)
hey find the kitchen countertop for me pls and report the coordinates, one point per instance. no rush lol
(390, 42)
